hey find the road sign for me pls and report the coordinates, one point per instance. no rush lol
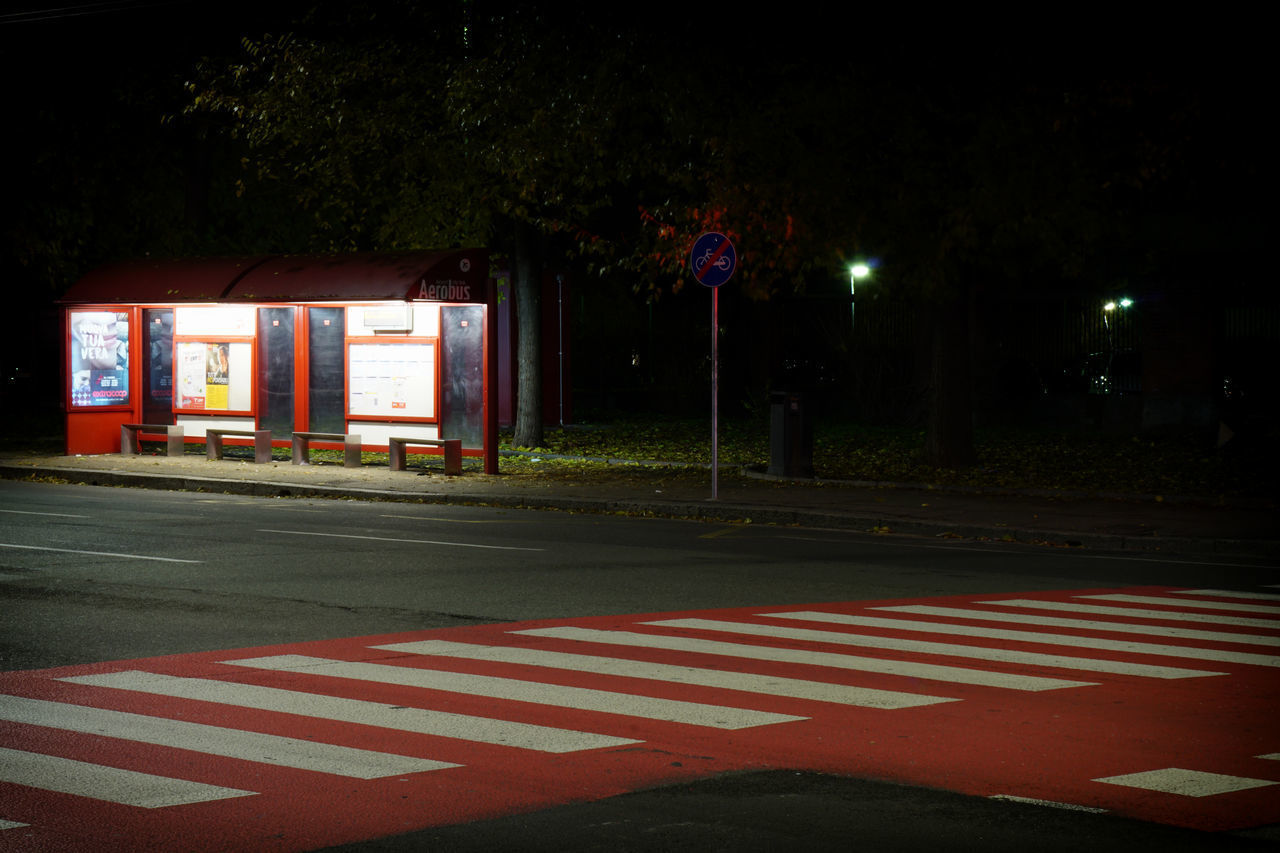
(713, 259)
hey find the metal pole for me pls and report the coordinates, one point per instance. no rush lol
(560, 328)
(715, 393)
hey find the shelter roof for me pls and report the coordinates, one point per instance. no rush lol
(455, 275)
(178, 280)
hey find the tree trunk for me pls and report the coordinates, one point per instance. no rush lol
(527, 284)
(948, 439)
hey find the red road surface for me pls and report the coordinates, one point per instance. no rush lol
(1159, 705)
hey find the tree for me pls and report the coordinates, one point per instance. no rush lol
(411, 128)
(572, 135)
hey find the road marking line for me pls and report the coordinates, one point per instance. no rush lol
(1128, 646)
(393, 539)
(1050, 803)
(1116, 667)
(126, 787)
(1186, 783)
(10, 824)
(502, 521)
(50, 514)
(214, 740)
(1182, 602)
(511, 689)
(360, 712)
(1084, 624)
(1227, 593)
(1173, 616)
(803, 656)
(272, 507)
(1274, 756)
(793, 688)
(98, 553)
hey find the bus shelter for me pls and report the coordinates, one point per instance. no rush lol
(378, 345)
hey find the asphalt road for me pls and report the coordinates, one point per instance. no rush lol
(163, 572)
(93, 574)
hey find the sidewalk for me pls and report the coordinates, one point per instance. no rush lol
(1139, 524)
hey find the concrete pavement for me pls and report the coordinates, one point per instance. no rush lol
(1136, 523)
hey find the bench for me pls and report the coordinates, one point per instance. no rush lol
(130, 434)
(350, 447)
(452, 452)
(261, 442)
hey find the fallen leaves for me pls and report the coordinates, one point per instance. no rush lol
(1092, 462)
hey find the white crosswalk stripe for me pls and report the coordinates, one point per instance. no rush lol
(1228, 593)
(1117, 667)
(1186, 783)
(744, 681)
(1086, 624)
(1236, 606)
(1084, 642)
(558, 695)
(1135, 613)
(357, 711)
(213, 740)
(112, 784)
(911, 669)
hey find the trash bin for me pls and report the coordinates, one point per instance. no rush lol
(790, 435)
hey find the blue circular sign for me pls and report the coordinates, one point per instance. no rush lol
(713, 259)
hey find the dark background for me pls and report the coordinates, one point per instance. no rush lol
(100, 169)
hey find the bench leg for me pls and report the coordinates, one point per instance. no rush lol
(351, 451)
(174, 443)
(261, 446)
(301, 450)
(212, 446)
(128, 441)
(395, 453)
(453, 457)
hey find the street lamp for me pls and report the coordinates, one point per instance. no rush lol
(857, 271)
(1108, 308)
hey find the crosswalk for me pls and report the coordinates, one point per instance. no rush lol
(385, 734)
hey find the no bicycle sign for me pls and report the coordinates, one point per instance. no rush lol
(713, 259)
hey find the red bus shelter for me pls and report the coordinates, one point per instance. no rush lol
(379, 345)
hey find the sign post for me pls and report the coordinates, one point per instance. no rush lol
(713, 260)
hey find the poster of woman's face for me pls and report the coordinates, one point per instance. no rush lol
(217, 355)
(100, 340)
(99, 358)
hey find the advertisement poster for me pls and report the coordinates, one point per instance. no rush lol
(191, 376)
(99, 358)
(392, 380)
(159, 342)
(214, 376)
(217, 376)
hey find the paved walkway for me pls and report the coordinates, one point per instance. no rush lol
(1066, 520)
